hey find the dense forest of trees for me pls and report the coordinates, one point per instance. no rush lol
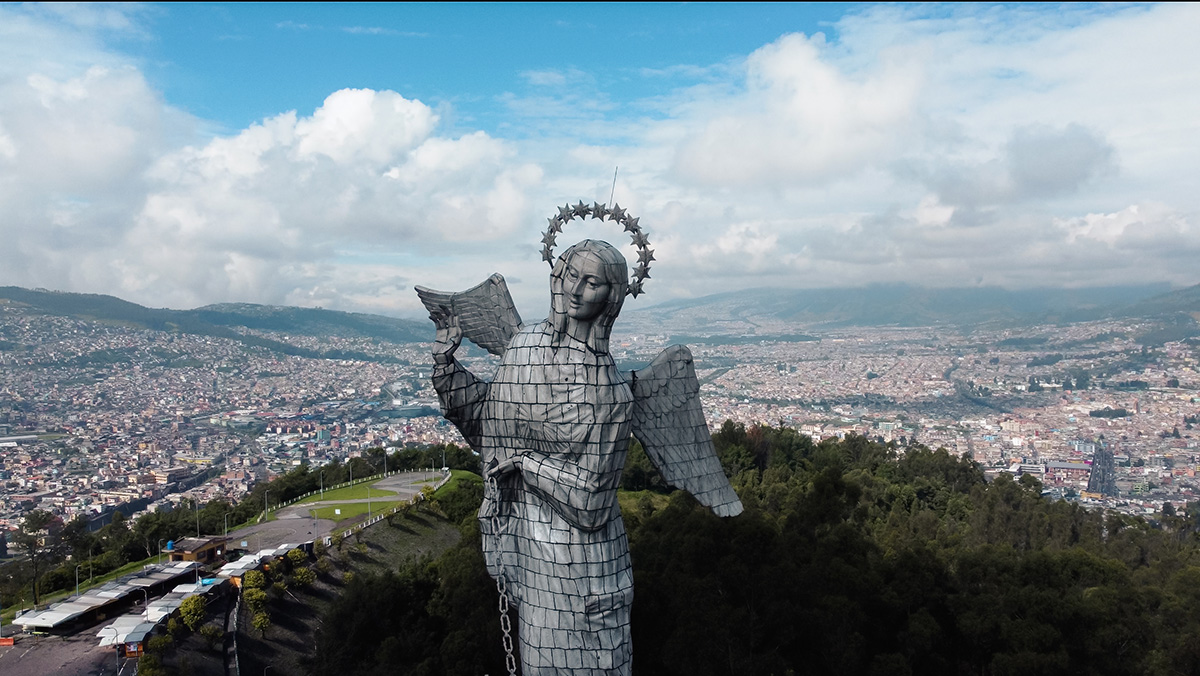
(851, 558)
(50, 550)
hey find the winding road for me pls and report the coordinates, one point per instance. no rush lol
(294, 524)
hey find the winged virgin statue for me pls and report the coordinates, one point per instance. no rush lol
(552, 430)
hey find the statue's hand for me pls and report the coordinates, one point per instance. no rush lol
(512, 464)
(449, 335)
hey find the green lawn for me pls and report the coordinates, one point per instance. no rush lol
(456, 475)
(352, 509)
(355, 492)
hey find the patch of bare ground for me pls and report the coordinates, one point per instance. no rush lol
(288, 644)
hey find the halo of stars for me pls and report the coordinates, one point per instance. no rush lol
(566, 214)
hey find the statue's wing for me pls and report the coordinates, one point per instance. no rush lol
(669, 421)
(486, 313)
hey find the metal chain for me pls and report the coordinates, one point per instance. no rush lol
(510, 662)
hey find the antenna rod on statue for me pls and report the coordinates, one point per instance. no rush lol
(614, 188)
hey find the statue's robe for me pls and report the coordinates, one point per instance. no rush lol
(566, 412)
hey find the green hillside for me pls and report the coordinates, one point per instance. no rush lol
(221, 320)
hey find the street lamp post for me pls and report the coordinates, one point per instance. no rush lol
(322, 483)
(368, 503)
(116, 646)
(266, 510)
(225, 521)
(197, 505)
(77, 580)
(160, 543)
(146, 605)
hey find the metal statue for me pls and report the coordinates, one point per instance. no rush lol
(552, 429)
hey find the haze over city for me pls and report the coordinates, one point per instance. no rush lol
(335, 156)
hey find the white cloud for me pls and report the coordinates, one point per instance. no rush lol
(801, 119)
(948, 146)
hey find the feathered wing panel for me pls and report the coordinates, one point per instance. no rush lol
(669, 421)
(486, 312)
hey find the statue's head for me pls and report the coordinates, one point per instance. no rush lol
(587, 288)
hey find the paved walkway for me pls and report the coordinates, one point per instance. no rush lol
(294, 524)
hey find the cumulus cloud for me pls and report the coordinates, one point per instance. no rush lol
(365, 170)
(801, 118)
(99, 196)
(963, 145)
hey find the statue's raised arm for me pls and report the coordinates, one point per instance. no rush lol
(669, 422)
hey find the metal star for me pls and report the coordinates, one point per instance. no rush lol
(581, 210)
(631, 224)
(645, 256)
(618, 214)
(635, 288)
(639, 239)
(642, 271)
(564, 213)
(548, 254)
(600, 210)
(548, 238)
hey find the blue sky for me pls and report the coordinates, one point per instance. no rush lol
(464, 55)
(336, 155)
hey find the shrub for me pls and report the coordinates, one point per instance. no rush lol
(261, 622)
(212, 635)
(256, 600)
(304, 576)
(159, 644)
(192, 611)
(254, 579)
(297, 556)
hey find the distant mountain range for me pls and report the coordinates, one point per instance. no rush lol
(881, 305)
(220, 320)
(905, 305)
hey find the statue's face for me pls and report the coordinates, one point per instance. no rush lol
(585, 287)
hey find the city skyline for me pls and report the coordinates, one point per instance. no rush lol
(333, 156)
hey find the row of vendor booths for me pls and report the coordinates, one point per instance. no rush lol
(109, 599)
(161, 587)
(131, 632)
(235, 570)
